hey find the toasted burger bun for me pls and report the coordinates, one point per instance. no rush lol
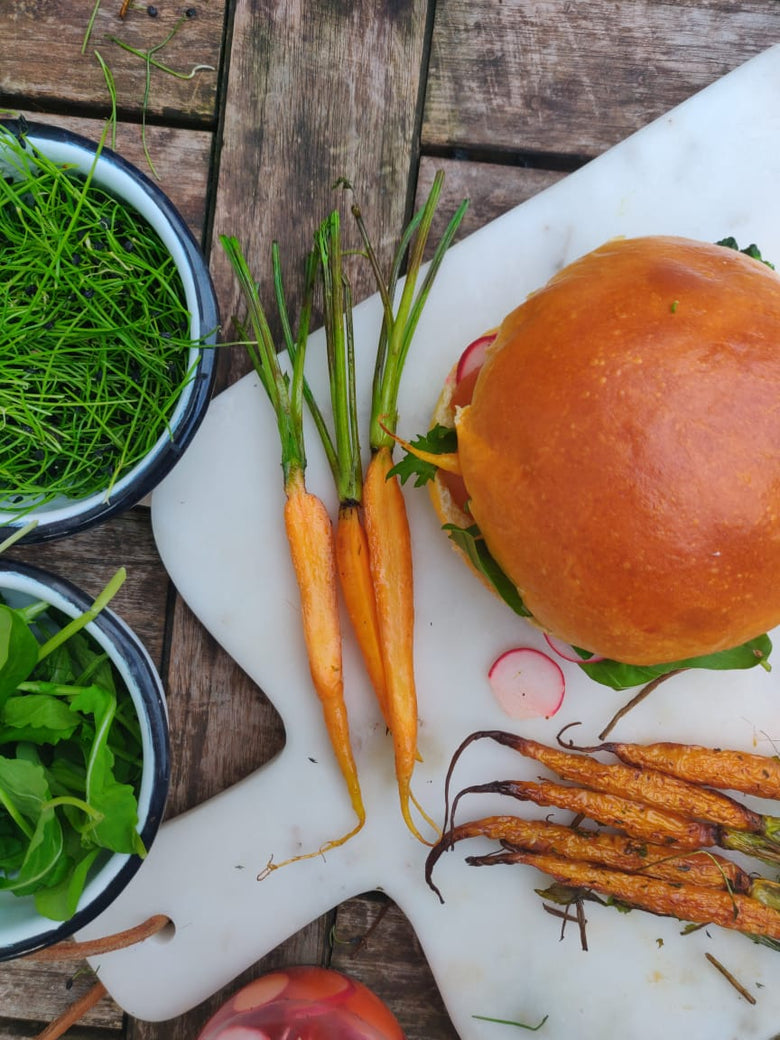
(621, 452)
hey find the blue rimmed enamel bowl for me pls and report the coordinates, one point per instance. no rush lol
(61, 515)
(22, 929)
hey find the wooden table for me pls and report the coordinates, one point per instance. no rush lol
(267, 104)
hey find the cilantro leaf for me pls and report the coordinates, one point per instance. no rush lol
(752, 250)
(439, 440)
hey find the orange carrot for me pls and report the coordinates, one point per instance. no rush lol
(384, 507)
(390, 557)
(312, 550)
(307, 525)
(342, 450)
(352, 560)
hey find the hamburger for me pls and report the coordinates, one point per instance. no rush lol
(609, 458)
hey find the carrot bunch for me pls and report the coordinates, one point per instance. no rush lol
(307, 523)
(368, 551)
(665, 818)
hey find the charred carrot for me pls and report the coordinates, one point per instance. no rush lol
(607, 849)
(685, 902)
(642, 784)
(743, 771)
(307, 525)
(384, 508)
(635, 819)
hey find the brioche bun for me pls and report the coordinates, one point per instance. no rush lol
(621, 451)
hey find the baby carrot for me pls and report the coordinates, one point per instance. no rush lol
(352, 561)
(390, 558)
(312, 551)
(593, 846)
(344, 455)
(307, 525)
(642, 784)
(384, 508)
(743, 771)
(635, 819)
(685, 902)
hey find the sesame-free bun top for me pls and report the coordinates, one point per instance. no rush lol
(622, 450)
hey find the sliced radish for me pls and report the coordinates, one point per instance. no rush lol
(473, 357)
(527, 683)
(568, 653)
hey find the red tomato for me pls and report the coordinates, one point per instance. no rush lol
(308, 1003)
(469, 367)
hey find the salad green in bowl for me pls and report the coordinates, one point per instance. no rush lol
(84, 757)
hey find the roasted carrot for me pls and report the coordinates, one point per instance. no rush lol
(308, 527)
(743, 771)
(635, 819)
(642, 784)
(685, 902)
(612, 850)
(384, 507)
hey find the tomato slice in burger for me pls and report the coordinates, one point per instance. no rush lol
(470, 365)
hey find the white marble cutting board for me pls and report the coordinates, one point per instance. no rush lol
(709, 168)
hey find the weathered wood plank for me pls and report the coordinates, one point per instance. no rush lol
(180, 159)
(557, 76)
(56, 987)
(491, 189)
(43, 66)
(365, 929)
(315, 92)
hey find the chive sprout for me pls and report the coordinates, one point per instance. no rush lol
(94, 332)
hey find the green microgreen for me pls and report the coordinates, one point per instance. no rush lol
(70, 755)
(94, 332)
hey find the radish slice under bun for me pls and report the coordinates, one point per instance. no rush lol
(527, 683)
(473, 356)
(568, 653)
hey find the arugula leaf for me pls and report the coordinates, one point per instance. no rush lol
(18, 651)
(42, 858)
(59, 901)
(117, 830)
(473, 545)
(439, 440)
(623, 676)
(38, 717)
